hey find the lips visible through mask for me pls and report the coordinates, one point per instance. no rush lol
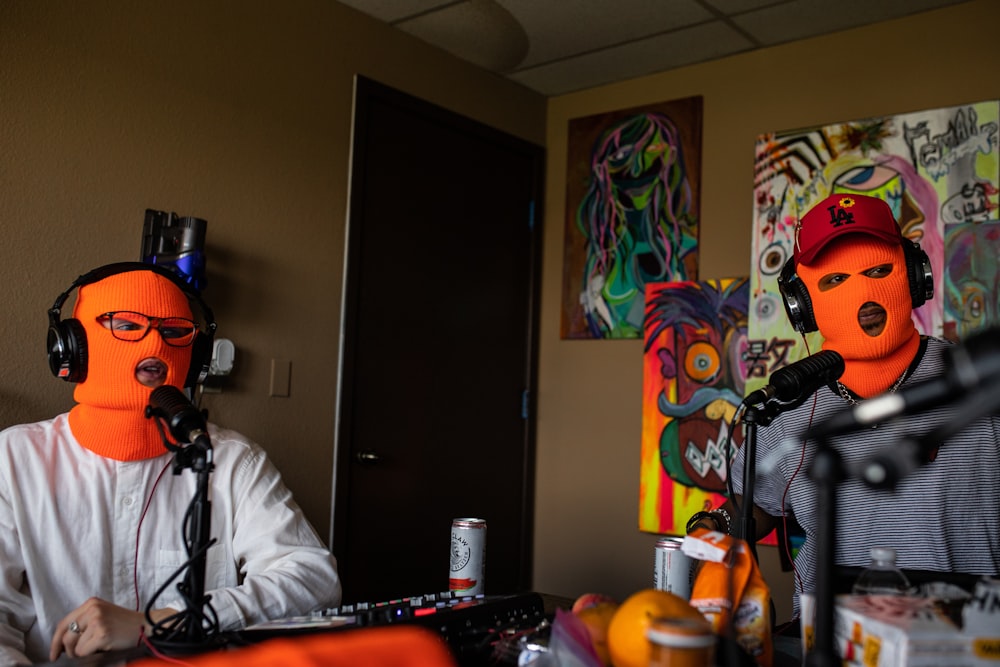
(872, 318)
(151, 372)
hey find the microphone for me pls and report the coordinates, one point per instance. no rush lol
(186, 423)
(887, 467)
(968, 366)
(799, 380)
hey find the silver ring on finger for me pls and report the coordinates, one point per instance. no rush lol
(75, 628)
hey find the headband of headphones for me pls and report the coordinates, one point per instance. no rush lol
(67, 340)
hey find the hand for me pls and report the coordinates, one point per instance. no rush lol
(98, 625)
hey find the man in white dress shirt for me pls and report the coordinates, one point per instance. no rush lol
(91, 517)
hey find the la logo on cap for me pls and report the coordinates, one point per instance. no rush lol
(839, 215)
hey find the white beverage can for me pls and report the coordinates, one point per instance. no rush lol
(672, 567)
(468, 557)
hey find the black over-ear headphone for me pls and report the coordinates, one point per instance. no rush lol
(67, 340)
(798, 303)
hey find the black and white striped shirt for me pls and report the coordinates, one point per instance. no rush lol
(943, 517)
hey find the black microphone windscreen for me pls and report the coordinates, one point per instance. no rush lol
(169, 399)
(181, 416)
(805, 376)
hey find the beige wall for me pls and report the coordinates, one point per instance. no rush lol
(235, 111)
(239, 112)
(590, 391)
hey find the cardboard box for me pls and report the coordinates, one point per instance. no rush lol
(893, 631)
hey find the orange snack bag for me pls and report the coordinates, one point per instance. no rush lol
(730, 579)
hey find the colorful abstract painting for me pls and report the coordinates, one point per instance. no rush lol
(632, 199)
(693, 382)
(939, 171)
(971, 286)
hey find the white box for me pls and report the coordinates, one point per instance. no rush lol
(894, 631)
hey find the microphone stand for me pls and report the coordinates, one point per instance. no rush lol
(753, 417)
(746, 524)
(198, 457)
(887, 467)
(826, 471)
(189, 625)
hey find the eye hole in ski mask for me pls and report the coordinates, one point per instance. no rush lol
(860, 296)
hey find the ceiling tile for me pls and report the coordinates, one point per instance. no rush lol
(570, 27)
(482, 32)
(558, 46)
(395, 10)
(730, 7)
(684, 47)
(809, 18)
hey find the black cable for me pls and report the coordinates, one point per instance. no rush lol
(176, 625)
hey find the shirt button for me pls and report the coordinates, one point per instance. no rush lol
(126, 501)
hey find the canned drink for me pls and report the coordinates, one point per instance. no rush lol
(468, 556)
(672, 567)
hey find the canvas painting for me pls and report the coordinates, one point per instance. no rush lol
(693, 382)
(632, 213)
(938, 170)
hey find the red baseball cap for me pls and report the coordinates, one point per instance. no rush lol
(842, 214)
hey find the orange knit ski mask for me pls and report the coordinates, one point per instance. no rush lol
(846, 307)
(109, 418)
(850, 257)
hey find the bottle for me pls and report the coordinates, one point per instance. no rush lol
(882, 577)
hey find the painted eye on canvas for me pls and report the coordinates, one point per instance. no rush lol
(702, 363)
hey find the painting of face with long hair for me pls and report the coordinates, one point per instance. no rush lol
(635, 222)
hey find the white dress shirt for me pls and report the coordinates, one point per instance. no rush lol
(75, 525)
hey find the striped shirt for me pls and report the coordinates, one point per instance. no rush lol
(943, 517)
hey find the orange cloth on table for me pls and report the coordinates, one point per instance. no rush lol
(392, 646)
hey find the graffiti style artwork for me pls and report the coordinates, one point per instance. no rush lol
(693, 382)
(939, 171)
(972, 277)
(632, 195)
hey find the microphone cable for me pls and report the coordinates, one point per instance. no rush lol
(786, 546)
(138, 532)
(798, 586)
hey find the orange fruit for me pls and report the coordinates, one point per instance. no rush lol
(597, 618)
(627, 643)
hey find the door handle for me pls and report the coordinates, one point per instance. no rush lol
(367, 457)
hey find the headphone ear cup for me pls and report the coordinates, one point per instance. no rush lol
(795, 297)
(201, 359)
(918, 271)
(68, 352)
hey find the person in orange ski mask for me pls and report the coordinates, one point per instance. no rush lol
(856, 279)
(93, 519)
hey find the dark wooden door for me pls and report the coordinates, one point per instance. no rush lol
(438, 354)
